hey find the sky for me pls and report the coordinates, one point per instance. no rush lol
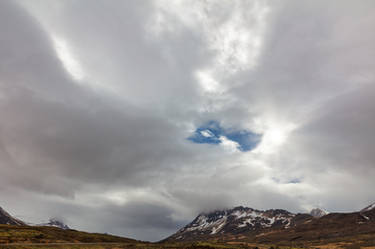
(132, 117)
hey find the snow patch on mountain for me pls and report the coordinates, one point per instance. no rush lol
(248, 222)
(236, 219)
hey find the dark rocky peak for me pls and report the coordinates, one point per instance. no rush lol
(7, 219)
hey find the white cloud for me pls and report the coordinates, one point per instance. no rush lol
(229, 145)
(207, 133)
(208, 83)
(275, 134)
(71, 64)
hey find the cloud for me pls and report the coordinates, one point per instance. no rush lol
(97, 100)
(207, 133)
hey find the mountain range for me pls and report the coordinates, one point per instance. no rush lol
(275, 225)
(240, 224)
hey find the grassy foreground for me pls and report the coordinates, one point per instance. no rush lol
(197, 245)
(137, 245)
(30, 237)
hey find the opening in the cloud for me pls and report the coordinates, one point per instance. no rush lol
(213, 133)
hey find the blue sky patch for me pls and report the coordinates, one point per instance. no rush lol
(211, 132)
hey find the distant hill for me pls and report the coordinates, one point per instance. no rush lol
(13, 230)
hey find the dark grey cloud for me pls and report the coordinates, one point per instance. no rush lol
(98, 99)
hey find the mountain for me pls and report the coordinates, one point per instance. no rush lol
(239, 220)
(7, 219)
(355, 226)
(54, 223)
(278, 226)
(317, 212)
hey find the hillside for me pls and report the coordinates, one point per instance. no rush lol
(13, 230)
(34, 234)
(334, 226)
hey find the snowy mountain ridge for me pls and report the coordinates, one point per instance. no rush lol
(243, 222)
(243, 217)
(236, 220)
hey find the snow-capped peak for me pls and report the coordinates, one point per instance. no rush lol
(317, 212)
(236, 219)
(368, 208)
(53, 222)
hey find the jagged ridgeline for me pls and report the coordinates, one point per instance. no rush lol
(243, 223)
(236, 221)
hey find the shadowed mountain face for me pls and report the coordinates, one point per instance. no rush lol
(7, 219)
(275, 225)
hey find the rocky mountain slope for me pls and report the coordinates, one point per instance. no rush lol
(333, 226)
(238, 220)
(7, 219)
(247, 224)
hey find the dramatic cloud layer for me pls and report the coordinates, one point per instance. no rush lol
(131, 117)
